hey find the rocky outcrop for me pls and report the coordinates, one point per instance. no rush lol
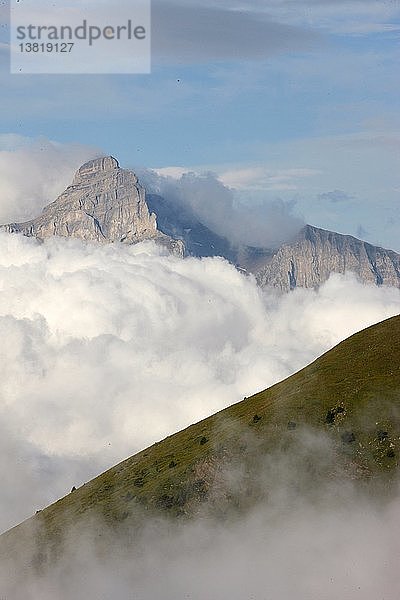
(316, 253)
(104, 203)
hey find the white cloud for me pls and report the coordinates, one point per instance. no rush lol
(261, 223)
(263, 178)
(174, 172)
(33, 172)
(110, 348)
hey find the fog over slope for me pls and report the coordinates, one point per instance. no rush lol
(320, 544)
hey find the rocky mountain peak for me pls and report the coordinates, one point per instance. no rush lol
(93, 168)
(104, 203)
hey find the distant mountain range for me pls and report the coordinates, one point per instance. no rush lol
(105, 203)
(337, 420)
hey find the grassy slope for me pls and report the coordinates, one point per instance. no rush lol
(352, 392)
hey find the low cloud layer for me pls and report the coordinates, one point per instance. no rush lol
(110, 348)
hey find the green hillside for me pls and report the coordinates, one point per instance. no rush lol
(348, 399)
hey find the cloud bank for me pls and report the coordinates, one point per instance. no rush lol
(110, 348)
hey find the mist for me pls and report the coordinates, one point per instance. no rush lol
(306, 540)
(267, 223)
(33, 172)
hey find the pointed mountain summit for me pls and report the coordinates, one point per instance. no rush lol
(104, 203)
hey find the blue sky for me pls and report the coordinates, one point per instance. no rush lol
(280, 98)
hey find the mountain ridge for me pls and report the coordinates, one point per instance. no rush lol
(105, 203)
(347, 400)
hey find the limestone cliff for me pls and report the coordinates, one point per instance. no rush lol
(104, 203)
(316, 253)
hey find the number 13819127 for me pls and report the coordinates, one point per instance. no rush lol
(46, 47)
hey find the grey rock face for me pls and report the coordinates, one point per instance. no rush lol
(104, 203)
(316, 253)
